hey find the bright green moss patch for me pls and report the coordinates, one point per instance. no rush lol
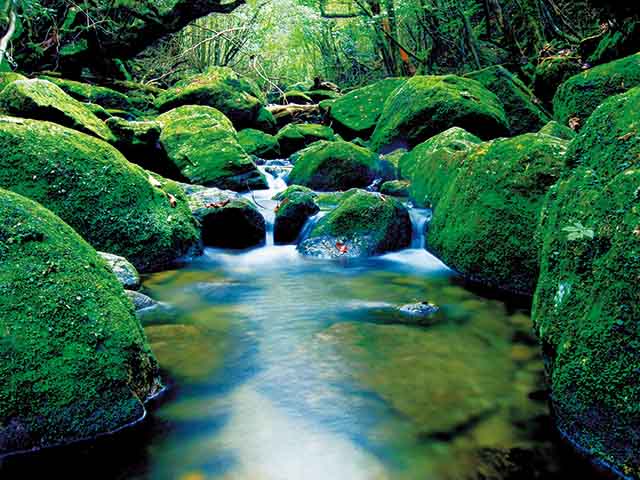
(203, 145)
(581, 94)
(483, 225)
(427, 105)
(356, 114)
(85, 92)
(340, 165)
(433, 165)
(558, 130)
(259, 143)
(112, 203)
(520, 104)
(74, 361)
(9, 77)
(294, 137)
(551, 72)
(42, 100)
(586, 307)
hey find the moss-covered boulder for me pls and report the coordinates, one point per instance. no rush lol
(296, 207)
(356, 114)
(85, 92)
(115, 205)
(586, 307)
(9, 77)
(203, 145)
(579, 96)
(258, 143)
(558, 130)
(139, 142)
(265, 121)
(396, 188)
(363, 224)
(523, 109)
(74, 360)
(220, 87)
(484, 224)
(551, 72)
(434, 164)
(339, 165)
(227, 220)
(427, 105)
(294, 137)
(42, 100)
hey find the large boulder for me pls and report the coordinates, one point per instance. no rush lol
(484, 224)
(356, 114)
(363, 224)
(203, 145)
(42, 100)
(551, 72)
(340, 165)
(220, 87)
(85, 92)
(260, 144)
(558, 130)
(296, 136)
(427, 105)
(432, 165)
(297, 205)
(586, 307)
(523, 109)
(579, 96)
(74, 360)
(115, 205)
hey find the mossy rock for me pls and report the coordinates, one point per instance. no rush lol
(98, 111)
(115, 205)
(328, 166)
(483, 226)
(9, 77)
(258, 143)
(203, 145)
(433, 165)
(356, 114)
(227, 220)
(296, 207)
(74, 360)
(586, 307)
(220, 87)
(580, 95)
(294, 137)
(318, 96)
(427, 105)
(551, 72)
(362, 225)
(558, 130)
(295, 96)
(620, 41)
(396, 188)
(85, 92)
(265, 121)
(42, 100)
(523, 109)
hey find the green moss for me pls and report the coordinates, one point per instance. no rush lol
(203, 145)
(293, 189)
(551, 72)
(364, 223)
(558, 130)
(220, 87)
(321, 95)
(85, 92)
(581, 94)
(259, 143)
(426, 106)
(295, 208)
(586, 307)
(357, 113)
(395, 188)
(520, 104)
(42, 100)
(295, 96)
(109, 201)
(74, 360)
(617, 42)
(484, 223)
(337, 165)
(433, 165)
(265, 121)
(139, 142)
(9, 77)
(294, 137)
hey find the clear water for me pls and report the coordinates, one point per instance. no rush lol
(282, 368)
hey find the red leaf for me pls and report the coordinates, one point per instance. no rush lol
(342, 248)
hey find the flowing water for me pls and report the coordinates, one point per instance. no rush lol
(283, 368)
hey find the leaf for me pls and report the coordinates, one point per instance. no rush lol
(172, 200)
(342, 248)
(577, 231)
(220, 204)
(574, 123)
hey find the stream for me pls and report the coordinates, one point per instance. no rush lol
(281, 367)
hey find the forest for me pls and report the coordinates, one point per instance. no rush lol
(320, 239)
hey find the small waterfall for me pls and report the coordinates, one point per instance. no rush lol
(419, 219)
(311, 222)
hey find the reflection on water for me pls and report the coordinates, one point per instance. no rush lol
(288, 368)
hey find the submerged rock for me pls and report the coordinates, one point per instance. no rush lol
(329, 166)
(427, 105)
(294, 137)
(203, 145)
(42, 100)
(74, 360)
(115, 205)
(362, 225)
(126, 273)
(586, 307)
(422, 309)
(296, 207)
